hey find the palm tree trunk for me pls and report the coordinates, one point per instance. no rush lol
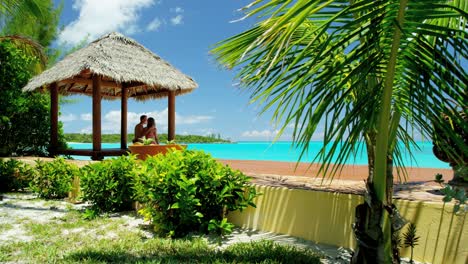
(397, 222)
(367, 229)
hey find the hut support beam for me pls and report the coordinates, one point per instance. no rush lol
(53, 119)
(171, 116)
(96, 117)
(123, 117)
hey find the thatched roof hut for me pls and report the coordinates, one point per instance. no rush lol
(118, 60)
(111, 67)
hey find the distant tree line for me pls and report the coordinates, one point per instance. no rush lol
(114, 138)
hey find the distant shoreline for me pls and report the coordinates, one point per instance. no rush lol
(115, 138)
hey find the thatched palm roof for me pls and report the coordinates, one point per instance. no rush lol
(120, 61)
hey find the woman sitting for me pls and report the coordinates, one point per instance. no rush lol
(150, 131)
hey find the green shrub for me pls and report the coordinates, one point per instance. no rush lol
(108, 184)
(52, 180)
(185, 191)
(14, 175)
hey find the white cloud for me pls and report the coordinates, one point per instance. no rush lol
(177, 20)
(188, 120)
(98, 17)
(86, 117)
(132, 29)
(206, 131)
(87, 130)
(154, 25)
(269, 134)
(67, 117)
(177, 10)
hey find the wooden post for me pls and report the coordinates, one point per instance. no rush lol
(96, 114)
(171, 116)
(123, 118)
(53, 119)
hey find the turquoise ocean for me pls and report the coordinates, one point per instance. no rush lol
(284, 151)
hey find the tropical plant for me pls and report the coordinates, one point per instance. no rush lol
(108, 185)
(53, 180)
(453, 193)
(14, 175)
(220, 227)
(186, 191)
(147, 141)
(410, 239)
(22, 13)
(439, 178)
(444, 147)
(368, 71)
(24, 117)
(458, 194)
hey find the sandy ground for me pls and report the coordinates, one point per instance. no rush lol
(349, 172)
(419, 185)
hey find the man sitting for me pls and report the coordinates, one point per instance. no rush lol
(140, 128)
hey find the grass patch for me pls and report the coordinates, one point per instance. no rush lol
(71, 239)
(6, 251)
(194, 251)
(5, 227)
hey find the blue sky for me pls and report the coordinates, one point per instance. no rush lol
(182, 33)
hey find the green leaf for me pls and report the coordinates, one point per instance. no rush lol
(199, 215)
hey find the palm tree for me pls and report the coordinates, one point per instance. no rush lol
(28, 9)
(371, 71)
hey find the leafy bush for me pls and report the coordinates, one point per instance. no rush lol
(14, 175)
(458, 194)
(185, 191)
(52, 180)
(108, 184)
(24, 116)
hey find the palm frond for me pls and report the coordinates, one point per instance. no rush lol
(325, 62)
(30, 47)
(25, 8)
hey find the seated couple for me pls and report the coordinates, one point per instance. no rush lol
(148, 132)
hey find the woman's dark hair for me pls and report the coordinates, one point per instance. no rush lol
(151, 122)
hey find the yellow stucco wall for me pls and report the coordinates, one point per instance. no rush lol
(326, 217)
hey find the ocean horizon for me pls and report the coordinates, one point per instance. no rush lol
(284, 151)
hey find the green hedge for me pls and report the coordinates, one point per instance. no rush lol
(53, 180)
(185, 191)
(14, 175)
(108, 184)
